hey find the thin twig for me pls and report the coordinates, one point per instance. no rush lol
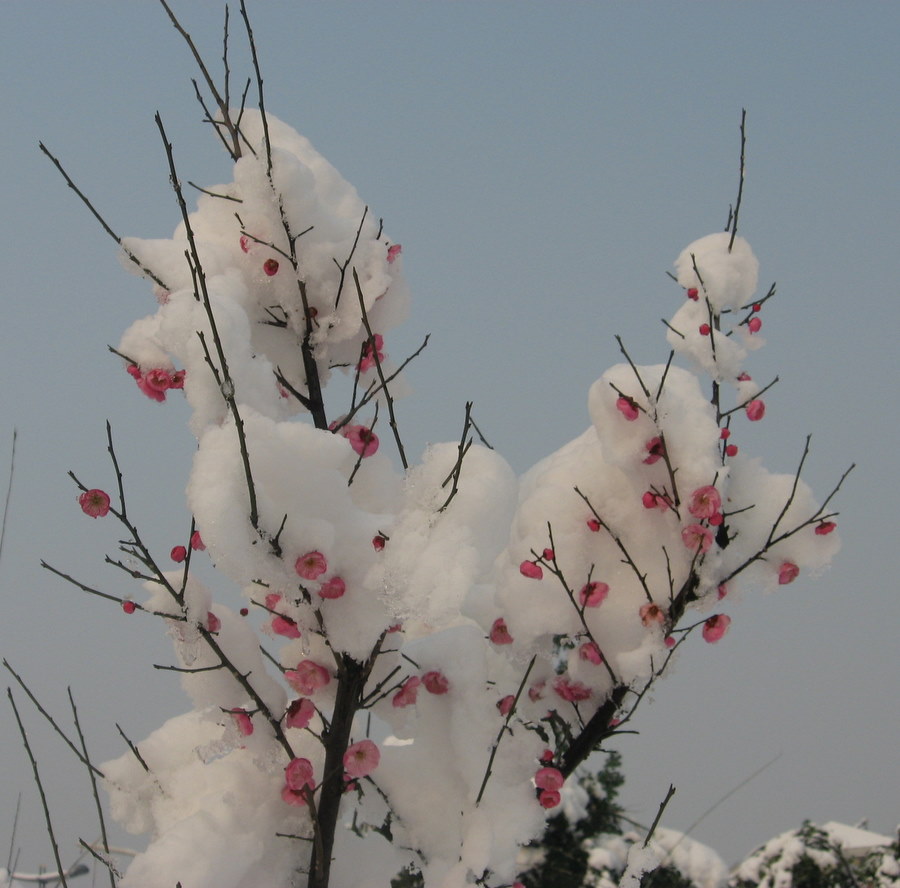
(37, 780)
(737, 203)
(12, 465)
(659, 814)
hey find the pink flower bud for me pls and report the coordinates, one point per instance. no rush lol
(270, 267)
(756, 410)
(129, 606)
(531, 570)
(499, 633)
(593, 594)
(549, 798)
(549, 778)
(787, 573)
(594, 525)
(825, 528)
(715, 627)
(704, 330)
(506, 704)
(754, 325)
(393, 252)
(693, 293)
(628, 408)
(197, 541)
(178, 554)
(213, 623)
(731, 450)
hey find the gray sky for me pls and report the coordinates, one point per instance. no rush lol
(542, 165)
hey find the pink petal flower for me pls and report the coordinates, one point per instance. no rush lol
(293, 796)
(361, 759)
(369, 356)
(158, 379)
(242, 721)
(755, 410)
(652, 613)
(715, 627)
(628, 408)
(178, 379)
(705, 502)
(334, 587)
(571, 691)
(299, 775)
(506, 704)
(285, 626)
(591, 653)
(655, 501)
(154, 394)
(311, 565)
(549, 778)
(825, 528)
(549, 798)
(593, 594)
(94, 503)
(655, 451)
(499, 633)
(363, 440)
(307, 677)
(197, 541)
(393, 252)
(178, 554)
(270, 267)
(435, 682)
(787, 573)
(407, 694)
(300, 712)
(697, 537)
(531, 570)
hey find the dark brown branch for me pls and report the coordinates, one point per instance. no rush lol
(737, 203)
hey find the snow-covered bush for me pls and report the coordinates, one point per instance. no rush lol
(828, 856)
(443, 643)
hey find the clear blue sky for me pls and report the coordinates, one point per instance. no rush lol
(542, 165)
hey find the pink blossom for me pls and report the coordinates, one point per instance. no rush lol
(715, 627)
(393, 252)
(369, 356)
(197, 541)
(283, 625)
(549, 798)
(755, 410)
(242, 721)
(300, 712)
(669, 642)
(697, 537)
(787, 573)
(745, 377)
(652, 613)
(270, 267)
(722, 591)
(406, 696)
(363, 440)
(656, 501)
(705, 330)
(591, 653)
(435, 682)
(628, 408)
(311, 565)
(693, 293)
(731, 450)
(593, 594)
(158, 380)
(307, 677)
(705, 502)
(571, 691)
(298, 780)
(245, 243)
(549, 778)
(378, 541)
(531, 570)
(361, 759)
(178, 554)
(725, 434)
(506, 704)
(499, 632)
(546, 756)
(94, 503)
(594, 525)
(825, 527)
(716, 519)
(757, 306)
(213, 623)
(548, 555)
(655, 451)
(129, 606)
(178, 379)
(334, 587)
(754, 325)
